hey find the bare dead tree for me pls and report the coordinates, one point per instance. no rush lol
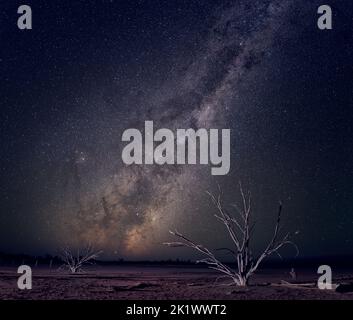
(240, 230)
(74, 260)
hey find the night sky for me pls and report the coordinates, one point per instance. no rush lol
(88, 70)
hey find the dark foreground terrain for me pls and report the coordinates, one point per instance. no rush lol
(147, 282)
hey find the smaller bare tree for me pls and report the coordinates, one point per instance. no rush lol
(74, 261)
(240, 231)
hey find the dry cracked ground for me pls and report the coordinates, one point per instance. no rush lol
(115, 283)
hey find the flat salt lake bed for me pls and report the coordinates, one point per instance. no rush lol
(164, 282)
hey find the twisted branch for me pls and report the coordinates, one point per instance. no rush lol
(240, 232)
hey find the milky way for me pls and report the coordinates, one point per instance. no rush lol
(131, 210)
(237, 68)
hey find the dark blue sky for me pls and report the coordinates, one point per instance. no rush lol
(89, 70)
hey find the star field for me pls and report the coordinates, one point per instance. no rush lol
(88, 71)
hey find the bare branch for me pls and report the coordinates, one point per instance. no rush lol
(240, 232)
(74, 263)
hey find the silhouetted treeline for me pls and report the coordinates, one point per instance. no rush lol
(50, 261)
(19, 259)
